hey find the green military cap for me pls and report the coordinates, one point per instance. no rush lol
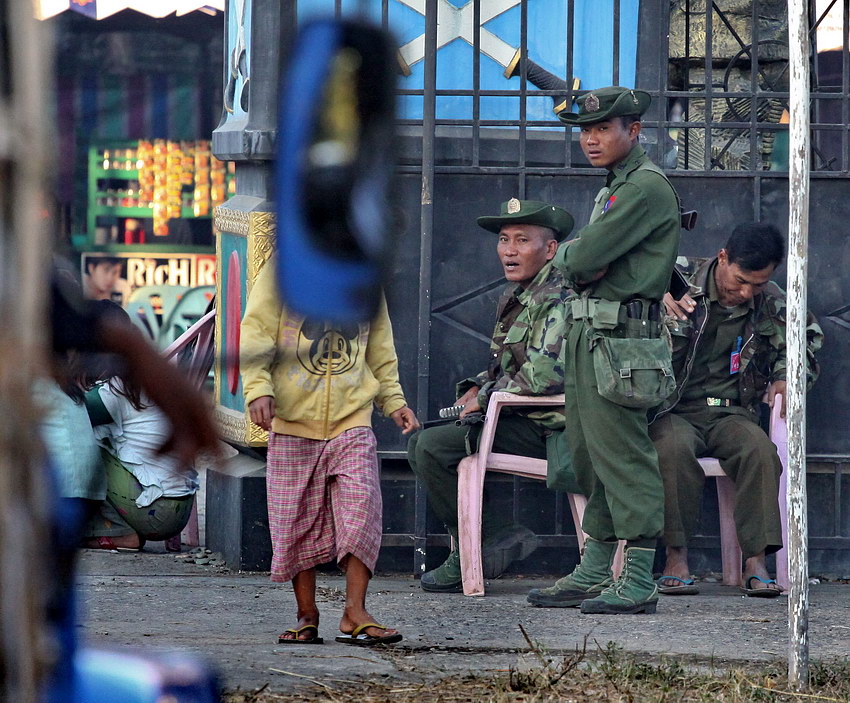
(530, 212)
(605, 103)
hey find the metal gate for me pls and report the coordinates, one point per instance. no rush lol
(479, 81)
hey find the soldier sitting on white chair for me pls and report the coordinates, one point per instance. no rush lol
(728, 350)
(525, 358)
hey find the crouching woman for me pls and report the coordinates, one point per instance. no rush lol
(149, 496)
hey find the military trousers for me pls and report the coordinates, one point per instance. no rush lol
(435, 452)
(614, 459)
(746, 455)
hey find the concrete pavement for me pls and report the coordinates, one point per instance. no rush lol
(154, 601)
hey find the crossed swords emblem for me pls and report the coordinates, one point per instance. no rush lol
(457, 23)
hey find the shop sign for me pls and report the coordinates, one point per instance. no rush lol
(108, 276)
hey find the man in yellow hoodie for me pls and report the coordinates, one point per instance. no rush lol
(312, 385)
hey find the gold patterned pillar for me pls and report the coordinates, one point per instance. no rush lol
(244, 242)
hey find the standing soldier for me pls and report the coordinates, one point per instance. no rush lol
(617, 361)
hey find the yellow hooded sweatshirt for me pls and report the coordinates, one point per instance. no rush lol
(323, 377)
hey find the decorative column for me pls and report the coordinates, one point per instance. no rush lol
(245, 224)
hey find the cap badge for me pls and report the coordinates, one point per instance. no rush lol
(634, 97)
(513, 206)
(591, 103)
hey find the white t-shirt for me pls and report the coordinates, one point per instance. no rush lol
(134, 437)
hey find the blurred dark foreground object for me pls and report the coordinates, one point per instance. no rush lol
(335, 162)
(131, 677)
(89, 676)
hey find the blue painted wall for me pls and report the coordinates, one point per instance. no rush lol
(593, 39)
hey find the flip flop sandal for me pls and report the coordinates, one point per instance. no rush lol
(761, 592)
(360, 638)
(687, 587)
(106, 544)
(315, 639)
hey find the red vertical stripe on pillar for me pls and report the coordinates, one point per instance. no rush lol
(232, 320)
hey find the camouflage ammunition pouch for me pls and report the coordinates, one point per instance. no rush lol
(633, 372)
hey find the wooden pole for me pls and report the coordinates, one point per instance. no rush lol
(26, 565)
(798, 236)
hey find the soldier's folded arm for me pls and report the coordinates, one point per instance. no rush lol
(532, 378)
(543, 372)
(595, 247)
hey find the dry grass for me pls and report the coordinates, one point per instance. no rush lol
(601, 674)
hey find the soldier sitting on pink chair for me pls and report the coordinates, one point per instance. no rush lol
(728, 335)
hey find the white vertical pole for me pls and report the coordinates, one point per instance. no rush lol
(798, 236)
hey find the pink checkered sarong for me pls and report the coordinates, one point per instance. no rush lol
(324, 500)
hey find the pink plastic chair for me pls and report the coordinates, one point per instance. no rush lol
(472, 469)
(470, 488)
(197, 370)
(730, 550)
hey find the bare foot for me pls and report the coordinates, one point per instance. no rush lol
(676, 565)
(309, 620)
(353, 617)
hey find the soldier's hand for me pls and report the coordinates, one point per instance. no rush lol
(406, 419)
(778, 388)
(471, 394)
(261, 411)
(680, 309)
(470, 406)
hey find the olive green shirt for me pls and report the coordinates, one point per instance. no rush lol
(724, 328)
(633, 231)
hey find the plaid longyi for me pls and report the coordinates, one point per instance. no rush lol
(324, 501)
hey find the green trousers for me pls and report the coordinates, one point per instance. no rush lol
(119, 515)
(747, 456)
(435, 452)
(613, 458)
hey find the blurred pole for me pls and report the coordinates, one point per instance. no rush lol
(25, 255)
(798, 236)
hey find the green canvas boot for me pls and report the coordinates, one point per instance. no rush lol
(445, 578)
(591, 576)
(634, 592)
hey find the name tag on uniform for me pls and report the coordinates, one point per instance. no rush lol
(735, 358)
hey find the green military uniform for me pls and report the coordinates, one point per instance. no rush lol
(634, 231)
(525, 358)
(616, 365)
(715, 409)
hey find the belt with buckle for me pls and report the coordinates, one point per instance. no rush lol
(720, 402)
